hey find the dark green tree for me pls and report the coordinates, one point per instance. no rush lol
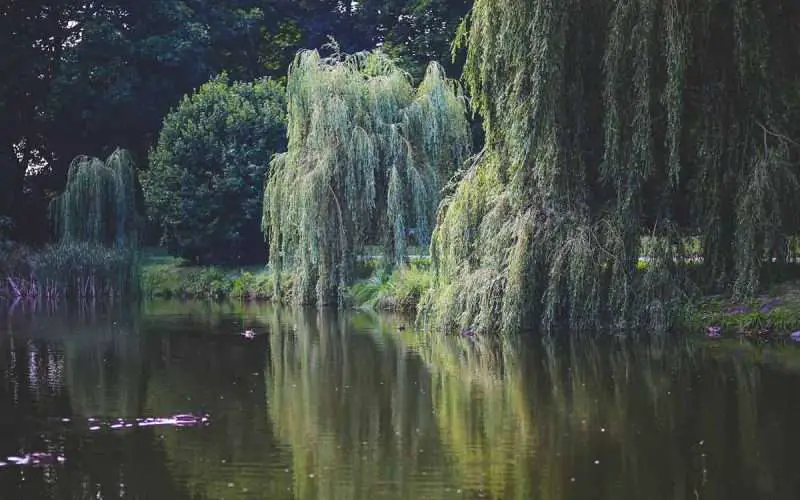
(33, 35)
(204, 185)
(79, 77)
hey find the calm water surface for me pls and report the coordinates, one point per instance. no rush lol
(348, 406)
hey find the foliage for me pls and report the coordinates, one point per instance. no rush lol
(414, 32)
(80, 269)
(399, 290)
(69, 270)
(686, 134)
(366, 155)
(98, 204)
(207, 172)
(80, 76)
(778, 314)
(173, 278)
(97, 252)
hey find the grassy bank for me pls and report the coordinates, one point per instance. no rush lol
(771, 316)
(399, 290)
(170, 277)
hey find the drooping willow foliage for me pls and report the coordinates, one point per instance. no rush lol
(96, 221)
(616, 129)
(366, 156)
(98, 203)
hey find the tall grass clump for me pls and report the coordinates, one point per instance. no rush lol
(399, 290)
(366, 157)
(84, 270)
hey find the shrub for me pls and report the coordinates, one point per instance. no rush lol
(398, 291)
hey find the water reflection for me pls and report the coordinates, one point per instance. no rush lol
(616, 421)
(216, 371)
(65, 363)
(357, 415)
(334, 406)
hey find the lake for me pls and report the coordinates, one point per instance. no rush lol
(321, 405)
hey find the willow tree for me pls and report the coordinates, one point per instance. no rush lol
(98, 205)
(96, 221)
(367, 152)
(612, 123)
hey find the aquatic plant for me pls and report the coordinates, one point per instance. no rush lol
(366, 157)
(80, 269)
(664, 119)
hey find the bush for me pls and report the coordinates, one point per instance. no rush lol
(399, 291)
(205, 183)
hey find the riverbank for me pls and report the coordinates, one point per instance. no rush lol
(769, 317)
(172, 277)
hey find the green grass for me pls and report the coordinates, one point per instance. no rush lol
(399, 290)
(167, 277)
(163, 276)
(721, 311)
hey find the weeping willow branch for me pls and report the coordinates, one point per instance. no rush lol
(97, 226)
(98, 203)
(610, 123)
(366, 155)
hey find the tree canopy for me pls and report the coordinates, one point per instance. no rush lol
(86, 77)
(617, 129)
(366, 157)
(207, 172)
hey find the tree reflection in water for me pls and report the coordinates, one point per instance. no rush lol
(328, 405)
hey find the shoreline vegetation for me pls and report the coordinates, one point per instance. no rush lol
(771, 316)
(400, 290)
(620, 178)
(84, 271)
